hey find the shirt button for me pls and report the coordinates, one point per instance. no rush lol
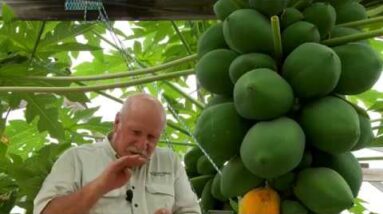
(135, 205)
(133, 187)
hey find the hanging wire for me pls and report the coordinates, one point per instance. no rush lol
(167, 139)
(187, 128)
(119, 44)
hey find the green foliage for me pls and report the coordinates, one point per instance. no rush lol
(8, 191)
(24, 137)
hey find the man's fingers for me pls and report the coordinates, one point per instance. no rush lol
(129, 161)
(163, 211)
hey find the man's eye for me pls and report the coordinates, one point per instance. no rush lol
(135, 132)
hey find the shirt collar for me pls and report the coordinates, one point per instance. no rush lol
(109, 149)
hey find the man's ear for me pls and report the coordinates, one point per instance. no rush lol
(116, 122)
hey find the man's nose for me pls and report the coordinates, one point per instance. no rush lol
(142, 143)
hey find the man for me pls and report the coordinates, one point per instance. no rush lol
(126, 174)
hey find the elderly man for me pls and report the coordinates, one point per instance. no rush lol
(124, 174)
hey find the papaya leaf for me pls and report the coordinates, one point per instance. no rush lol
(8, 14)
(31, 173)
(358, 207)
(46, 108)
(24, 137)
(22, 34)
(14, 70)
(108, 63)
(3, 146)
(377, 106)
(85, 114)
(80, 124)
(8, 193)
(95, 125)
(377, 142)
(64, 31)
(77, 97)
(67, 47)
(368, 98)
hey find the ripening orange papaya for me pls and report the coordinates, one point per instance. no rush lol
(263, 200)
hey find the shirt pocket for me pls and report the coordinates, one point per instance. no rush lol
(159, 196)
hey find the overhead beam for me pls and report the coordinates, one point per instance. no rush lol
(51, 10)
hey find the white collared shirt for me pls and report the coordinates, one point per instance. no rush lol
(160, 183)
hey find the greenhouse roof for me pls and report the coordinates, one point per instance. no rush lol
(116, 9)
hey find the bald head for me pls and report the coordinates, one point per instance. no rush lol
(145, 104)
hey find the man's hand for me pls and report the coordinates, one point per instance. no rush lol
(118, 173)
(163, 211)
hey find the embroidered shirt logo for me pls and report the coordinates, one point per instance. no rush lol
(159, 173)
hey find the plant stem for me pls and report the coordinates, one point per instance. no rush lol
(376, 11)
(370, 158)
(376, 120)
(182, 38)
(113, 45)
(187, 96)
(377, 127)
(371, 3)
(103, 94)
(362, 22)
(38, 40)
(164, 66)
(276, 30)
(97, 87)
(352, 38)
(176, 143)
(176, 127)
(117, 75)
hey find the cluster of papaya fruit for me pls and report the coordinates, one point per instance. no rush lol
(279, 126)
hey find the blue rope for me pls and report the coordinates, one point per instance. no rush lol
(83, 5)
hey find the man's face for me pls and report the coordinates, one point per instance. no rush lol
(137, 132)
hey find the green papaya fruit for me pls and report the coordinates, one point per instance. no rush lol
(269, 155)
(290, 16)
(191, 158)
(212, 71)
(216, 188)
(316, 80)
(237, 180)
(330, 124)
(204, 166)
(361, 68)
(292, 207)
(323, 190)
(223, 8)
(366, 133)
(198, 183)
(350, 12)
(218, 99)
(255, 99)
(211, 39)
(220, 131)
(322, 15)
(297, 34)
(345, 164)
(269, 8)
(247, 30)
(248, 62)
